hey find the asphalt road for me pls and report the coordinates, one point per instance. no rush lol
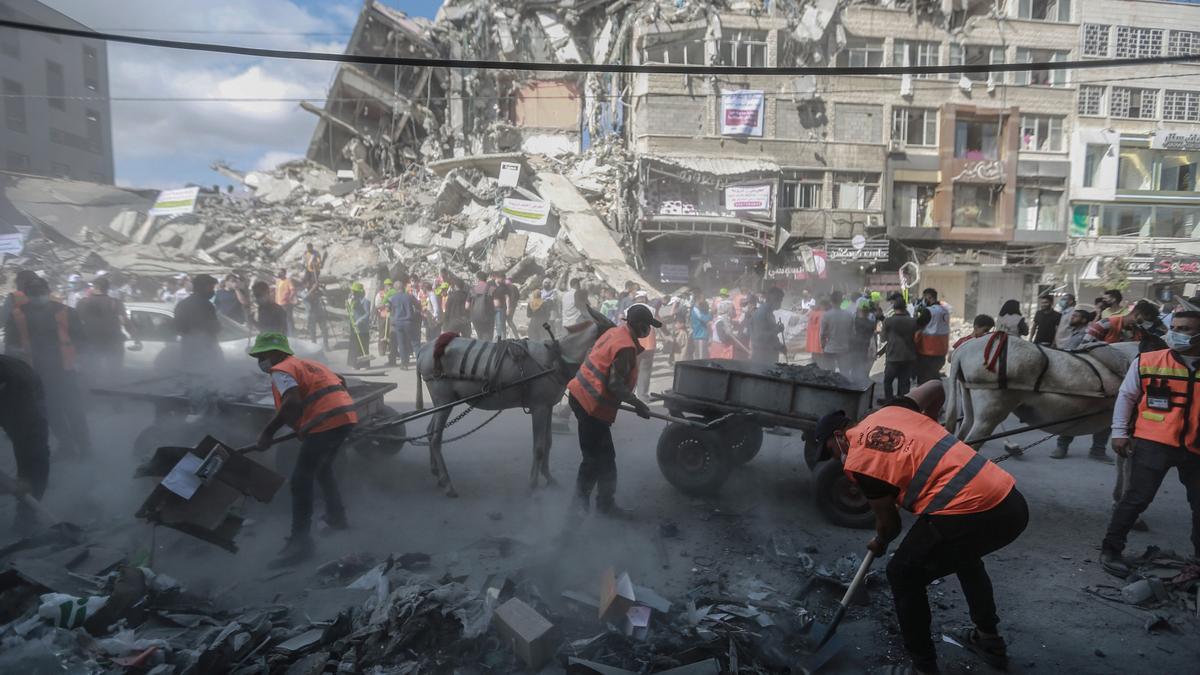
(394, 505)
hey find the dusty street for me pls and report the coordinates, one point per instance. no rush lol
(1052, 623)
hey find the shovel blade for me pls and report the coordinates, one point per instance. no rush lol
(825, 653)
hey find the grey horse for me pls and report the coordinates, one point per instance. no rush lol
(455, 367)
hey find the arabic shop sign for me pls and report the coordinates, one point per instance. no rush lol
(1176, 266)
(1172, 140)
(858, 249)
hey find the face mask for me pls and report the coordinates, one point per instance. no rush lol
(264, 365)
(1178, 341)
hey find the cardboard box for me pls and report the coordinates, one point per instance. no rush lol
(616, 596)
(531, 635)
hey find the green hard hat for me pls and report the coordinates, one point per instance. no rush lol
(271, 342)
(356, 287)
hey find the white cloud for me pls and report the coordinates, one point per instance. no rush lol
(274, 158)
(172, 139)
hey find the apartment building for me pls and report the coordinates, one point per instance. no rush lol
(56, 111)
(1135, 193)
(966, 174)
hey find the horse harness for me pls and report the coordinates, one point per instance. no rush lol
(997, 361)
(483, 361)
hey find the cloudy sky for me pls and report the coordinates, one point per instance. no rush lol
(169, 143)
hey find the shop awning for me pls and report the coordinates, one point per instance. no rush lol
(719, 166)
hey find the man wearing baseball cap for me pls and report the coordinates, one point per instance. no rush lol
(967, 507)
(604, 381)
(313, 400)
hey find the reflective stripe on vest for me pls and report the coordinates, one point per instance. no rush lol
(325, 402)
(1168, 412)
(62, 319)
(590, 384)
(935, 472)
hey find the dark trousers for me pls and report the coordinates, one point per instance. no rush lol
(898, 373)
(404, 342)
(26, 427)
(1099, 441)
(484, 330)
(360, 341)
(317, 452)
(929, 368)
(599, 466)
(65, 412)
(940, 545)
(1148, 466)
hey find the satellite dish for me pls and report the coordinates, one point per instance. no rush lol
(858, 242)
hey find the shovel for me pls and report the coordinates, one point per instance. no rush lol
(9, 485)
(682, 420)
(824, 634)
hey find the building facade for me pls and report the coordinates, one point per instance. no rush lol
(1135, 195)
(56, 110)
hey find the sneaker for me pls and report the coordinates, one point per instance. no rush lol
(1100, 456)
(297, 549)
(991, 649)
(1059, 452)
(609, 509)
(1114, 563)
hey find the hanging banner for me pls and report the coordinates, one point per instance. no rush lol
(525, 211)
(742, 113)
(12, 244)
(748, 197)
(510, 172)
(175, 202)
(857, 250)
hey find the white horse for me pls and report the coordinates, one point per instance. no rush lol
(454, 368)
(1039, 384)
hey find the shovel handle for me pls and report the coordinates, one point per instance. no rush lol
(681, 420)
(274, 441)
(858, 578)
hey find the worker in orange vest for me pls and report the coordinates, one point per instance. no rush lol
(1157, 405)
(313, 400)
(967, 507)
(605, 380)
(46, 335)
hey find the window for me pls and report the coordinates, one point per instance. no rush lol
(1045, 78)
(856, 191)
(976, 140)
(1093, 155)
(1178, 171)
(975, 205)
(1095, 39)
(14, 105)
(95, 131)
(1091, 100)
(1041, 133)
(912, 204)
(1181, 106)
(861, 53)
(1038, 209)
(60, 170)
(56, 87)
(1138, 104)
(854, 123)
(1135, 169)
(16, 161)
(1126, 219)
(1177, 221)
(803, 191)
(747, 49)
(1045, 10)
(1183, 42)
(1134, 42)
(91, 68)
(975, 55)
(914, 126)
(910, 53)
(10, 42)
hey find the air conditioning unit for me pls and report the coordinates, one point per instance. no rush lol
(895, 147)
(874, 220)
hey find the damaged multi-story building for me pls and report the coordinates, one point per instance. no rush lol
(841, 178)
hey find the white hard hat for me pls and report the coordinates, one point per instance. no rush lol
(74, 278)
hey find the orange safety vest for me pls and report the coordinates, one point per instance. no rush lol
(590, 385)
(812, 338)
(937, 474)
(1115, 324)
(650, 342)
(1168, 412)
(61, 317)
(326, 403)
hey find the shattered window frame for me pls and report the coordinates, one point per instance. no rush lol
(1041, 78)
(1181, 105)
(802, 190)
(755, 44)
(971, 195)
(1096, 39)
(917, 53)
(1052, 11)
(1124, 102)
(861, 188)
(977, 55)
(903, 126)
(1047, 133)
(1183, 42)
(861, 52)
(1091, 100)
(912, 204)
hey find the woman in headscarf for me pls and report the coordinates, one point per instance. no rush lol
(725, 344)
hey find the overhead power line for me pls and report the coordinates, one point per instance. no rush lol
(472, 64)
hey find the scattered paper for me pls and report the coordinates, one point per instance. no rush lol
(183, 480)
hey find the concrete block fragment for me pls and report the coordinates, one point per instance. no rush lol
(531, 635)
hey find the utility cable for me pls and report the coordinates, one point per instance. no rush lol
(667, 69)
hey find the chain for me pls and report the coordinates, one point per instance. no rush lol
(1001, 458)
(420, 440)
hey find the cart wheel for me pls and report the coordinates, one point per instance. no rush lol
(376, 447)
(692, 459)
(839, 499)
(744, 440)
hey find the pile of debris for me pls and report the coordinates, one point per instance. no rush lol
(1163, 584)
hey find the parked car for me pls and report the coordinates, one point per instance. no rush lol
(155, 325)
